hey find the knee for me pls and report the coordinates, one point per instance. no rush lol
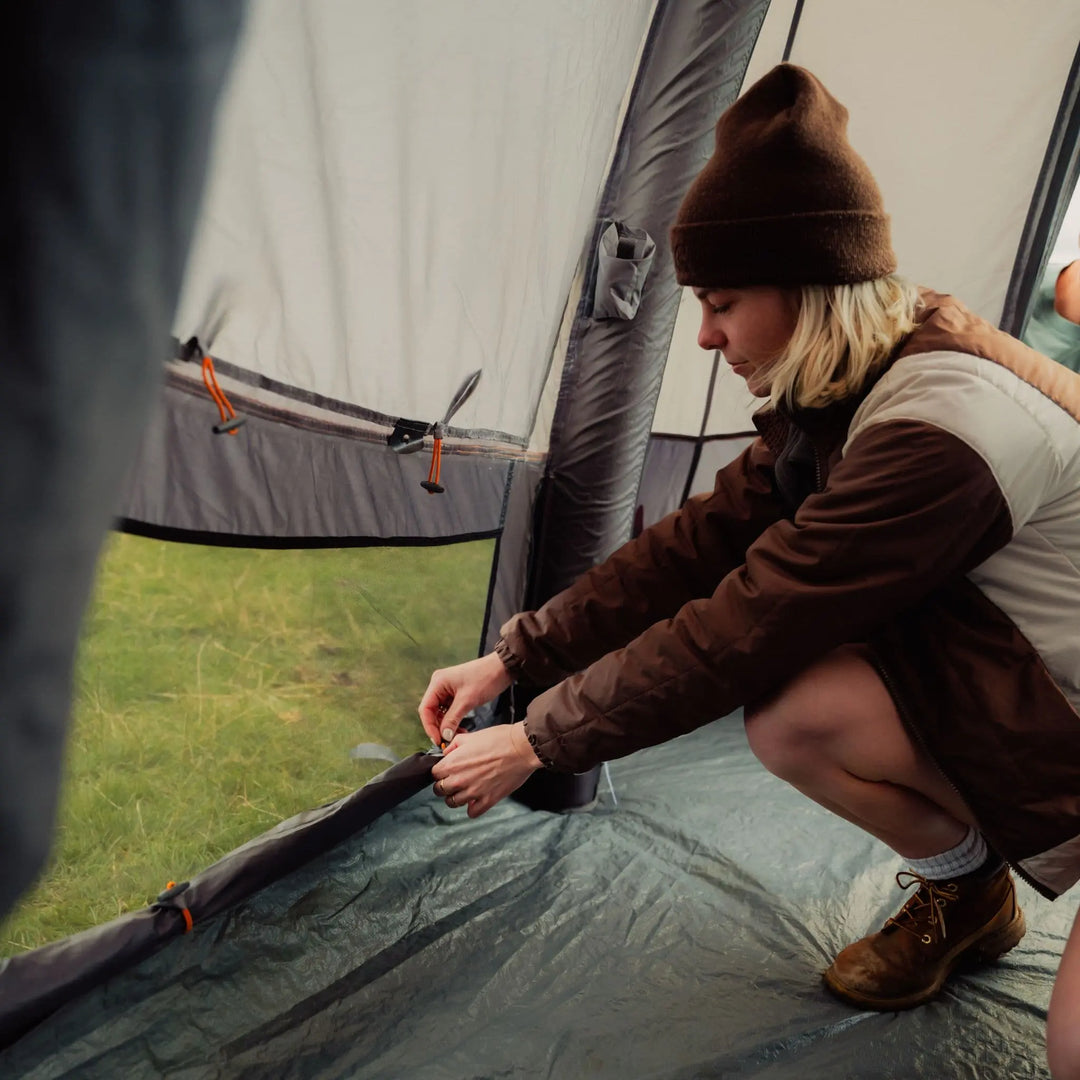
(1063, 1024)
(1063, 1016)
(787, 737)
(1063, 1049)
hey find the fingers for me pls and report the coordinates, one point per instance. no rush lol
(441, 710)
(435, 706)
(478, 769)
(453, 713)
(454, 792)
(454, 799)
(432, 707)
(453, 691)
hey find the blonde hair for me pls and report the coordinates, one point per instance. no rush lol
(843, 335)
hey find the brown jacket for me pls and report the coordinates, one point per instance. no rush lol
(936, 518)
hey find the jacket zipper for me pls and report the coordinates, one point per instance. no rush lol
(917, 738)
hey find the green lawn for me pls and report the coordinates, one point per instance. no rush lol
(220, 690)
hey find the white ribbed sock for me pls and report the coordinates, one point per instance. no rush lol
(967, 856)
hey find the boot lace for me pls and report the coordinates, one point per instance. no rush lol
(923, 914)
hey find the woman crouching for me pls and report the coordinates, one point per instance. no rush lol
(887, 580)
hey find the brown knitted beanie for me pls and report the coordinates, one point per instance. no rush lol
(784, 200)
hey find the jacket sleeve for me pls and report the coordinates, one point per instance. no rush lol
(682, 557)
(908, 506)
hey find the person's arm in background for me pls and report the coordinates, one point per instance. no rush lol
(1067, 292)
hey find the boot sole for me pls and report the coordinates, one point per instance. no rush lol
(972, 953)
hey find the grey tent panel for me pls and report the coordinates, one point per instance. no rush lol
(669, 462)
(511, 563)
(680, 934)
(326, 486)
(715, 454)
(677, 465)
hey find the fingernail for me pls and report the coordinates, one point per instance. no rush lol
(447, 733)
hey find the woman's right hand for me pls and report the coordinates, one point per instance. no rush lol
(453, 692)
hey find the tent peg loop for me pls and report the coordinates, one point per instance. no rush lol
(431, 485)
(230, 422)
(168, 899)
(408, 435)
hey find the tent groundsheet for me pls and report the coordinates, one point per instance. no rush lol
(678, 933)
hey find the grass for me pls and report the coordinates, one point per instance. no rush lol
(219, 690)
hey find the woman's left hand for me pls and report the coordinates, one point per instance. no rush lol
(481, 767)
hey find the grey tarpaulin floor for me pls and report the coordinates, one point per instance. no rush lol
(680, 934)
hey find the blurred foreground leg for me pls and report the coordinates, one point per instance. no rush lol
(107, 122)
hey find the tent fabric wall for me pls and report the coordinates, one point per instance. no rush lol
(974, 98)
(397, 199)
(399, 191)
(958, 116)
(293, 480)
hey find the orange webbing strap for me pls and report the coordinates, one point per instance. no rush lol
(228, 413)
(436, 462)
(189, 922)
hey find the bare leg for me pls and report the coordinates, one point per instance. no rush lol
(833, 732)
(1063, 1020)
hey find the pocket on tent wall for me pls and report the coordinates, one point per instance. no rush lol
(622, 265)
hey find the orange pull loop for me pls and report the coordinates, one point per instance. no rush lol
(225, 409)
(189, 922)
(431, 485)
(436, 462)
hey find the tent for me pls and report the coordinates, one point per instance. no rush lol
(403, 195)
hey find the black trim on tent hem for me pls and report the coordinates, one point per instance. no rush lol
(206, 538)
(703, 438)
(343, 408)
(264, 410)
(1059, 173)
(789, 44)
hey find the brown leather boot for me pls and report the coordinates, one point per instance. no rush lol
(942, 924)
